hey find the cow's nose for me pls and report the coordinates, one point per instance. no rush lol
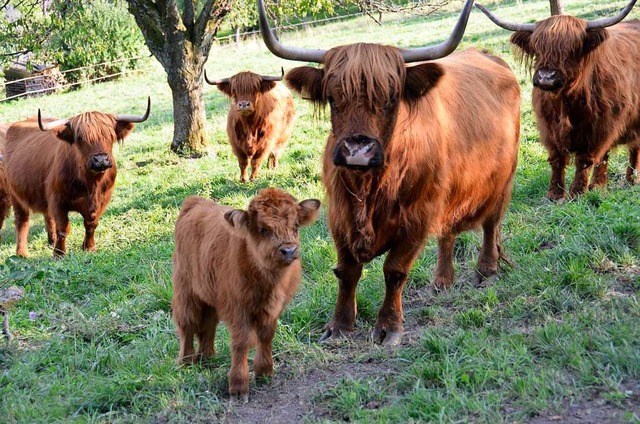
(244, 105)
(100, 162)
(289, 252)
(547, 79)
(358, 150)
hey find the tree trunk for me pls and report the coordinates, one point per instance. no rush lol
(557, 7)
(181, 42)
(189, 133)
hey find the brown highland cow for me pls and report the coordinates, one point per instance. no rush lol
(259, 120)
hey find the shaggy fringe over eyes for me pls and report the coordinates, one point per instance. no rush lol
(246, 82)
(92, 127)
(376, 71)
(558, 38)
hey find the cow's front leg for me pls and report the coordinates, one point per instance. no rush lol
(90, 224)
(63, 227)
(558, 161)
(21, 221)
(599, 175)
(256, 163)
(580, 180)
(348, 273)
(50, 225)
(243, 162)
(444, 264)
(633, 170)
(389, 328)
(263, 360)
(239, 373)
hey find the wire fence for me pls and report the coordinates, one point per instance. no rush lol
(226, 40)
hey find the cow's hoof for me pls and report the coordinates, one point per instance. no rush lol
(240, 398)
(331, 336)
(386, 338)
(481, 281)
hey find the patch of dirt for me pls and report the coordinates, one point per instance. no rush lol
(598, 411)
(291, 398)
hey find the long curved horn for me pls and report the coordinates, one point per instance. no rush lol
(605, 22)
(215, 82)
(136, 118)
(50, 125)
(280, 50)
(504, 24)
(273, 78)
(447, 46)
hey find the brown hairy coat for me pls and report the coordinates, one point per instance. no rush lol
(443, 139)
(594, 104)
(240, 267)
(259, 120)
(49, 172)
(5, 200)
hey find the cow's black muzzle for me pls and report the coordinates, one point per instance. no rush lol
(100, 162)
(358, 151)
(547, 79)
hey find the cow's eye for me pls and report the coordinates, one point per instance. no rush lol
(332, 104)
(265, 232)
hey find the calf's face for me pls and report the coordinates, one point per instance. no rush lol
(270, 225)
(245, 88)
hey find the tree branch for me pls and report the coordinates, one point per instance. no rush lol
(209, 22)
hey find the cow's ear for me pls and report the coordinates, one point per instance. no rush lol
(308, 211)
(522, 40)
(238, 220)
(123, 128)
(594, 38)
(421, 79)
(64, 133)
(225, 87)
(306, 81)
(266, 86)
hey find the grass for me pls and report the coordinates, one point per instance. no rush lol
(94, 336)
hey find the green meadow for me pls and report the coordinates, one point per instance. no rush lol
(558, 332)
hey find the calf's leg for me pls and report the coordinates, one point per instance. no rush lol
(263, 360)
(63, 227)
(207, 332)
(348, 272)
(239, 372)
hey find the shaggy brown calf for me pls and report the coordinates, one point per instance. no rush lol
(259, 120)
(58, 166)
(414, 151)
(585, 93)
(240, 267)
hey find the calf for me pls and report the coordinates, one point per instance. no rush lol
(259, 121)
(240, 267)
